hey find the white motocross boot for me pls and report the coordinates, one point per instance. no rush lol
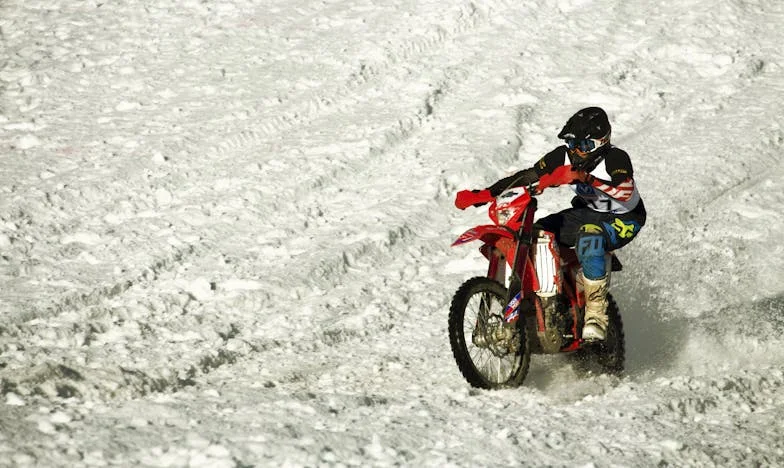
(596, 320)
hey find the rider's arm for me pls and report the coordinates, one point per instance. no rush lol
(621, 183)
(545, 165)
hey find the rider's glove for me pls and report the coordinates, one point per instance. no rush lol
(466, 198)
(564, 175)
(581, 176)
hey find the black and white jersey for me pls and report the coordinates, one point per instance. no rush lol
(612, 189)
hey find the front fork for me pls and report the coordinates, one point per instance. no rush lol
(496, 268)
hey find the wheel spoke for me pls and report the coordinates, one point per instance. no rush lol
(484, 316)
(489, 352)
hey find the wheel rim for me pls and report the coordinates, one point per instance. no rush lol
(492, 345)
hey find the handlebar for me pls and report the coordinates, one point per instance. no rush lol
(560, 176)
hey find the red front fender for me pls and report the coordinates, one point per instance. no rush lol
(488, 233)
(502, 238)
(498, 245)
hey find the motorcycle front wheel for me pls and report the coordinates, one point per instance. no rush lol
(490, 353)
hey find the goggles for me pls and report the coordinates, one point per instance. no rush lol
(585, 146)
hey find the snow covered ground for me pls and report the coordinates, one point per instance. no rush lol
(225, 229)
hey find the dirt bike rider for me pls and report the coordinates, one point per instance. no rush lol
(606, 214)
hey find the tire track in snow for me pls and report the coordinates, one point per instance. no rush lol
(404, 51)
(58, 340)
(75, 224)
(111, 197)
(328, 274)
(78, 300)
(466, 17)
(364, 313)
(50, 379)
(344, 96)
(158, 338)
(62, 380)
(49, 376)
(309, 193)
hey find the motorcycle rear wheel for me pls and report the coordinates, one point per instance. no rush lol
(608, 356)
(489, 353)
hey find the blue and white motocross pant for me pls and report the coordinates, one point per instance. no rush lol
(594, 233)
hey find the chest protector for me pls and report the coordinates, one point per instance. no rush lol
(626, 195)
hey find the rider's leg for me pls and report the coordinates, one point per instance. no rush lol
(591, 247)
(593, 234)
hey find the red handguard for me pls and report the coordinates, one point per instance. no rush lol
(466, 198)
(560, 176)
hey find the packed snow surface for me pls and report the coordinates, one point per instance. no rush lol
(225, 229)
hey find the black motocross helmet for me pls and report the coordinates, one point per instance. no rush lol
(587, 136)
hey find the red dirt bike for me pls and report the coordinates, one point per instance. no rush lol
(497, 321)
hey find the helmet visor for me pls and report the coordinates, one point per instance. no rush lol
(584, 146)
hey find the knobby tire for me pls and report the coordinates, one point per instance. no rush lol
(461, 346)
